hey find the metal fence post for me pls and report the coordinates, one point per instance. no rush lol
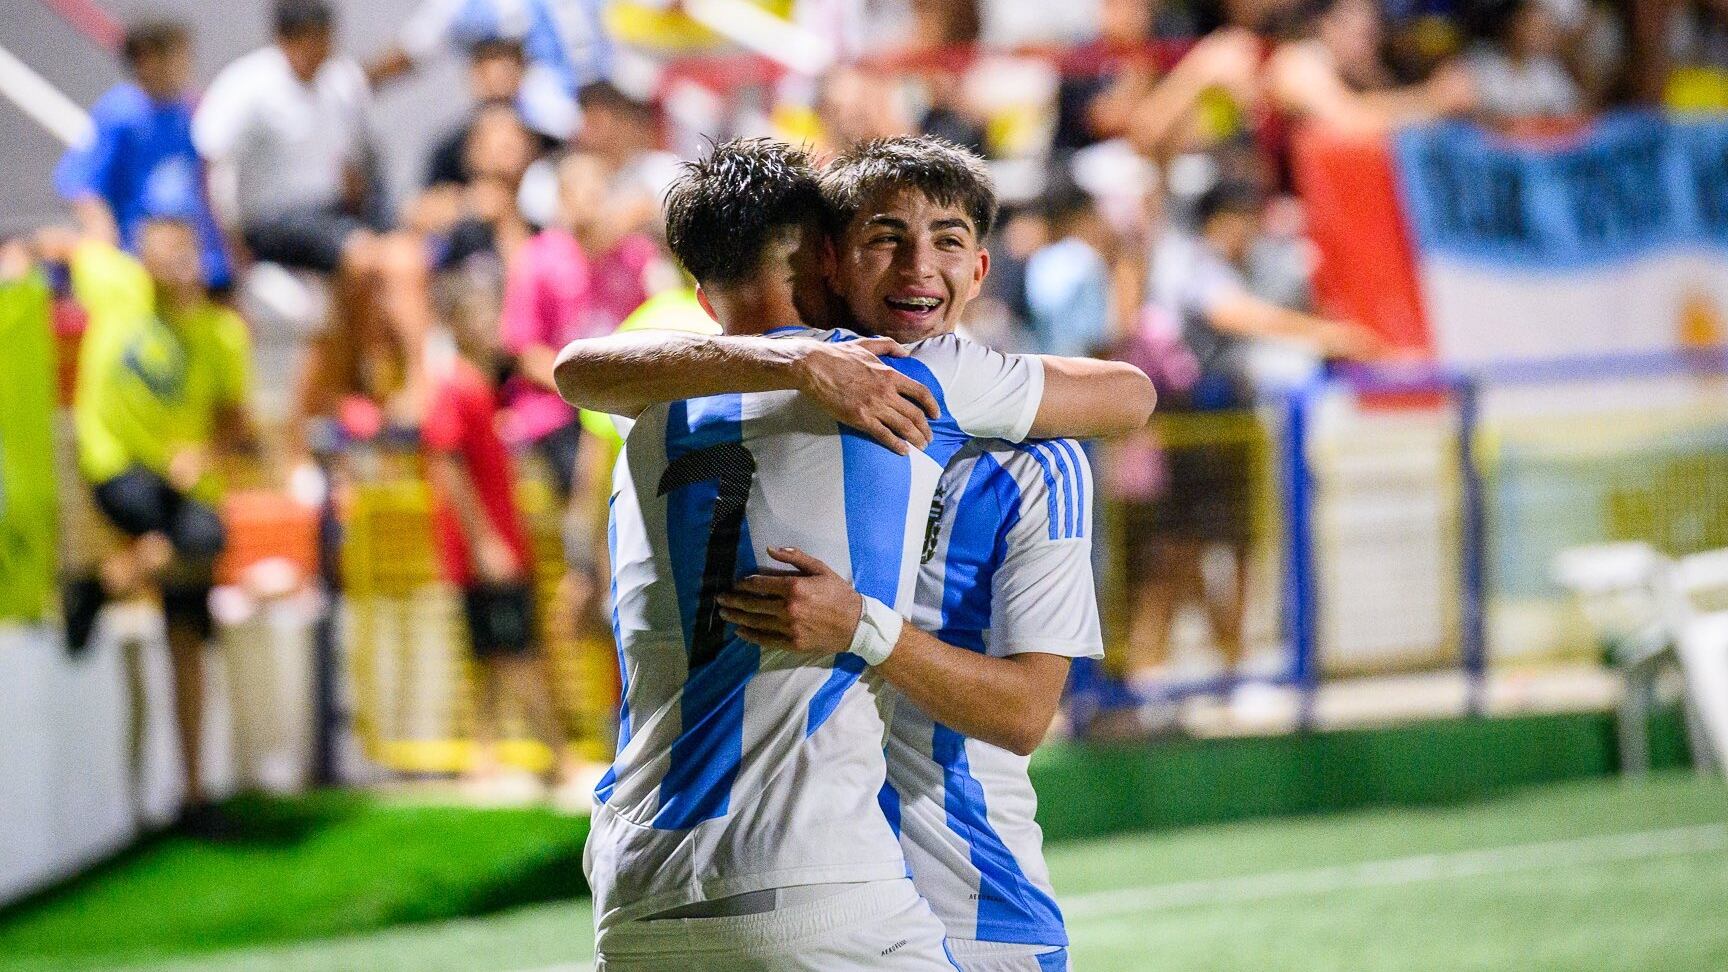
(1472, 555)
(1301, 590)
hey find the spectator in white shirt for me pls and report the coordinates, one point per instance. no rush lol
(284, 130)
(1516, 63)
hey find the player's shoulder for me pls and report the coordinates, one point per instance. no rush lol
(1053, 480)
(832, 335)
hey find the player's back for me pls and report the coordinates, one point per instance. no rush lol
(741, 768)
(1006, 569)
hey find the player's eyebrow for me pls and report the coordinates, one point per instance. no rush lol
(949, 222)
(887, 222)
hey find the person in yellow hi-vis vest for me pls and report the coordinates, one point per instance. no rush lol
(163, 380)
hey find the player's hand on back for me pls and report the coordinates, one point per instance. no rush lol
(850, 382)
(813, 610)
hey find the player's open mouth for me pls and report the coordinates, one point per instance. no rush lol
(914, 306)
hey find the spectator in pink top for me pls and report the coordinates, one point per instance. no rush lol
(576, 279)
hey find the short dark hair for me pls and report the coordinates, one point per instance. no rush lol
(1490, 20)
(946, 173)
(487, 48)
(605, 94)
(153, 35)
(1229, 196)
(296, 18)
(726, 208)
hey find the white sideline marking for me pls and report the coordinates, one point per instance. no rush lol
(1512, 859)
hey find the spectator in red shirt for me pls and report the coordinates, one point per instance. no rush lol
(483, 549)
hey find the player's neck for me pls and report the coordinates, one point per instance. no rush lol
(747, 311)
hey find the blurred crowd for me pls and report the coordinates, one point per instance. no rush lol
(1142, 148)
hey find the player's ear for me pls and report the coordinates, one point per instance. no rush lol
(980, 270)
(702, 298)
(830, 259)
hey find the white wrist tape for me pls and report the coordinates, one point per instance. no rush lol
(878, 630)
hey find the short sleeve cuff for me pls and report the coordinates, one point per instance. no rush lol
(1049, 646)
(1034, 397)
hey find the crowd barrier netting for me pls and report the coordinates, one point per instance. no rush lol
(413, 678)
(1426, 508)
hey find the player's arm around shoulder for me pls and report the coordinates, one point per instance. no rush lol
(626, 373)
(992, 394)
(1007, 702)
(1090, 397)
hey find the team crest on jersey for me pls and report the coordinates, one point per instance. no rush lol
(933, 527)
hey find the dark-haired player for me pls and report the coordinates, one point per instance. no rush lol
(1005, 566)
(793, 796)
(738, 827)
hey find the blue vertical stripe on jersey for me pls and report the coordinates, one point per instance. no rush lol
(946, 436)
(1056, 961)
(1082, 475)
(1050, 491)
(878, 486)
(1010, 907)
(1067, 474)
(888, 799)
(877, 493)
(987, 507)
(705, 756)
(603, 789)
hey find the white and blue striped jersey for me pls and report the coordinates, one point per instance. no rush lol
(740, 768)
(1007, 568)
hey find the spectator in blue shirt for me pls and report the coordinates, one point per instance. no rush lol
(1068, 280)
(143, 148)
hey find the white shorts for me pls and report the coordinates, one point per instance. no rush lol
(877, 925)
(973, 956)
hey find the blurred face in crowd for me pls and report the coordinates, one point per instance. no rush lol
(306, 50)
(1232, 232)
(500, 147)
(1125, 21)
(168, 249)
(1351, 31)
(495, 75)
(856, 106)
(907, 266)
(1533, 32)
(165, 72)
(582, 179)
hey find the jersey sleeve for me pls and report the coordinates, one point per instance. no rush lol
(1043, 597)
(989, 394)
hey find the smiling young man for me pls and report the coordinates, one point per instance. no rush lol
(1008, 533)
(738, 826)
(1005, 592)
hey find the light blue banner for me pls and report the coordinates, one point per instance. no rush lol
(1633, 185)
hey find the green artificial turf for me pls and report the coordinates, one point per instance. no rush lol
(326, 865)
(1239, 897)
